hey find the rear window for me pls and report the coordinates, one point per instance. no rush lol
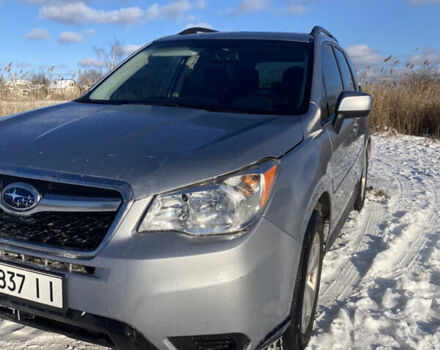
(249, 76)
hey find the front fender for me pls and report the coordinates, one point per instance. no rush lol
(304, 176)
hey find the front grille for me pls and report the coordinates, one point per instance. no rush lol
(221, 343)
(78, 230)
(233, 341)
(53, 265)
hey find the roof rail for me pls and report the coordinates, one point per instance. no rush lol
(319, 30)
(196, 30)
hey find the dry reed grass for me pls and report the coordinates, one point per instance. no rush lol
(12, 107)
(407, 101)
(29, 91)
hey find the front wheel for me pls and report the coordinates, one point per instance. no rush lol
(305, 298)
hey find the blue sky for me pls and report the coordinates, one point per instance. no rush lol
(36, 34)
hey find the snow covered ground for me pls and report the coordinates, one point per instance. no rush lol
(381, 279)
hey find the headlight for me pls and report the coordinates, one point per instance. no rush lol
(224, 205)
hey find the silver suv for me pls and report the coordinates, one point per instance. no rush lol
(187, 200)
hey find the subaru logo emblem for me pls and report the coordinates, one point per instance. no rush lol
(19, 196)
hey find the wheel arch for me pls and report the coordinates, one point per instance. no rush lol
(320, 201)
(323, 207)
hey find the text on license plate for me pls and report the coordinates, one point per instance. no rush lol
(31, 285)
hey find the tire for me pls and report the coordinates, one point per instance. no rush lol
(300, 330)
(362, 186)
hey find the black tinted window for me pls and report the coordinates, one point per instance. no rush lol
(332, 77)
(345, 71)
(324, 107)
(353, 71)
(226, 75)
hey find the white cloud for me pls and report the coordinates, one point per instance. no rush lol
(80, 13)
(152, 12)
(363, 55)
(23, 65)
(201, 4)
(293, 10)
(129, 49)
(190, 18)
(41, 2)
(70, 38)
(176, 9)
(247, 6)
(429, 55)
(423, 2)
(89, 32)
(172, 10)
(200, 24)
(91, 63)
(37, 34)
(34, 1)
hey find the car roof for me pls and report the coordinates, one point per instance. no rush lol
(298, 37)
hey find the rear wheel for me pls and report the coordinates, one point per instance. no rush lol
(305, 298)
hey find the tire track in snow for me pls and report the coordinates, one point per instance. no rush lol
(424, 192)
(394, 300)
(365, 227)
(333, 290)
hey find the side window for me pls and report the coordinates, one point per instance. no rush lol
(353, 71)
(332, 78)
(345, 71)
(324, 106)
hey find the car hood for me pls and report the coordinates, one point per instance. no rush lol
(152, 148)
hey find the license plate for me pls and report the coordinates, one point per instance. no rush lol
(38, 287)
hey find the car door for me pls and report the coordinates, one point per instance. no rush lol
(342, 140)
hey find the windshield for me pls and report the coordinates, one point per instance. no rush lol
(249, 76)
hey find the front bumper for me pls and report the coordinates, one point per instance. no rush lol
(164, 286)
(74, 324)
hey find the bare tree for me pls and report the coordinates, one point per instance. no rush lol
(88, 77)
(112, 55)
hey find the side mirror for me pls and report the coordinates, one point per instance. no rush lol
(352, 104)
